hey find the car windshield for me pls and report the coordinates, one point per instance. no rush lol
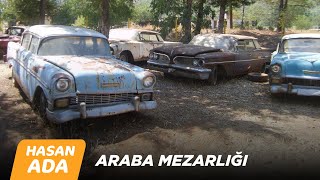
(301, 45)
(15, 31)
(215, 42)
(75, 46)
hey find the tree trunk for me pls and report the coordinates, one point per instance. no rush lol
(281, 18)
(223, 4)
(43, 4)
(242, 19)
(187, 22)
(105, 4)
(199, 17)
(231, 15)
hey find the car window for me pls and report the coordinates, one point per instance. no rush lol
(34, 44)
(215, 42)
(250, 45)
(245, 45)
(301, 45)
(15, 31)
(148, 37)
(75, 46)
(26, 41)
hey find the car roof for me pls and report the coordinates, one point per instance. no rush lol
(303, 35)
(234, 36)
(135, 30)
(59, 30)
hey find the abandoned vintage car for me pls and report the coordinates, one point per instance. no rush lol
(69, 73)
(132, 45)
(13, 33)
(211, 56)
(295, 66)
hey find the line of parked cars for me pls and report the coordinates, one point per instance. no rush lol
(71, 72)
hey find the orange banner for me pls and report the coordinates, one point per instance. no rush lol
(48, 159)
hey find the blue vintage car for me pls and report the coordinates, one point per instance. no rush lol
(295, 66)
(69, 73)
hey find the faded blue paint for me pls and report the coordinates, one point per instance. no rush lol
(87, 75)
(301, 68)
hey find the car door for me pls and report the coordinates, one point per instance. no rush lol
(149, 41)
(22, 68)
(33, 67)
(244, 56)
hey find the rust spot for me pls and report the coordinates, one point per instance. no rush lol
(37, 68)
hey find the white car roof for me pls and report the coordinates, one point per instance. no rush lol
(59, 30)
(134, 30)
(305, 35)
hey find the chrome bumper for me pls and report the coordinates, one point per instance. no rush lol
(178, 70)
(295, 89)
(84, 111)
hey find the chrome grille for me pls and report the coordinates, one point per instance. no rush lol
(184, 60)
(96, 99)
(163, 58)
(302, 82)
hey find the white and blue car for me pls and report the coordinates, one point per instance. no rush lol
(295, 66)
(69, 73)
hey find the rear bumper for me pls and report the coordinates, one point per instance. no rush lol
(62, 116)
(295, 89)
(177, 70)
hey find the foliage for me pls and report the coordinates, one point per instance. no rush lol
(302, 22)
(25, 11)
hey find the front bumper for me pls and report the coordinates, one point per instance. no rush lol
(84, 111)
(295, 89)
(178, 70)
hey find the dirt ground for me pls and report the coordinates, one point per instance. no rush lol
(191, 118)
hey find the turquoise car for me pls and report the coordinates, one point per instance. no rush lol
(295, 66)
(69, 73)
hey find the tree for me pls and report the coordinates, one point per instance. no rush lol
(186, 22)
(200, 16)
(42, 11)
(222, 5)
(28, 11)
(283, 4)
(105, 25)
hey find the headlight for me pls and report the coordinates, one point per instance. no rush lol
(63, 84)
(198, 62)
(275, 68)
(153, 56)
(148, 81)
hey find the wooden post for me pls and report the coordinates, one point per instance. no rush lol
(176, 29)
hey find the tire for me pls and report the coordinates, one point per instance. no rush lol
(124, 56)
(258, 77)
(213, 77)
(14, 81)
(42, 107)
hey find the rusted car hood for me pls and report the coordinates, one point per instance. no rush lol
(184, 50)
(102, 75)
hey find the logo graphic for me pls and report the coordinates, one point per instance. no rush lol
(48, 159)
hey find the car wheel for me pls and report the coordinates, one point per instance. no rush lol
(14, 82)
(258, 77)
(43, 105)
(213, 77)
(124, 57)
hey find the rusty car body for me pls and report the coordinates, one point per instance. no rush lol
(295, 66)
(69, 73)
(210, 56)
(133, 45)
(13, 33)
